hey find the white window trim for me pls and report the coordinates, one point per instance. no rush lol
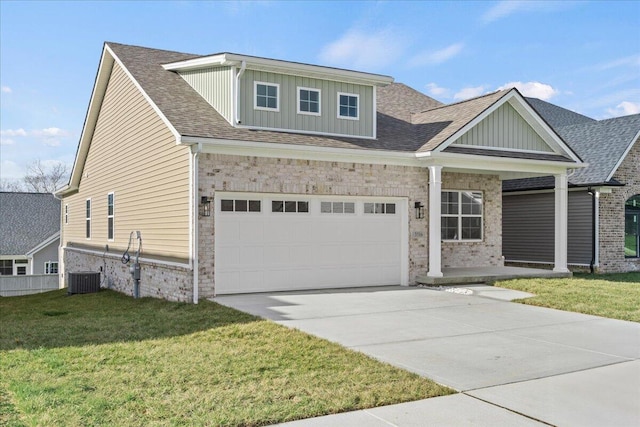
(338, 106)
(88, 218)
(255, 96)
(66, 213)
(112, 216)
(47, 267)
(460, 215)
(308, 113)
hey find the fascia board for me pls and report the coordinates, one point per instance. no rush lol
(282, 67)
(302, 152)
(624, 156)
(44, 244)
(97, 95)
(497, 164)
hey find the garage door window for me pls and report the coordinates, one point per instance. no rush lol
(240, 205)
(380, 208)
(338, 207)
(292, 206)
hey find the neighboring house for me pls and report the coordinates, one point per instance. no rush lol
(248, 174)
(29, 233)
(604, 198)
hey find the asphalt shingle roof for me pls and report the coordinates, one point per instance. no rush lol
(407, 120)
(557, 116)
(27, 220)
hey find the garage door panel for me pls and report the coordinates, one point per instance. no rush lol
(271, 251)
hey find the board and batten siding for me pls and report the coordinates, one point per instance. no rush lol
(528, 227)
(215, 85)
(504, 129)
(287, 117)
(134, 155)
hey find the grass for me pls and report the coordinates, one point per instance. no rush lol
(107, 359)
(616, 296)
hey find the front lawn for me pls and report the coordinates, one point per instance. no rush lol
(616, 296)
(107, 359)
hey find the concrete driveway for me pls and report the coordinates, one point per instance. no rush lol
(514, 364)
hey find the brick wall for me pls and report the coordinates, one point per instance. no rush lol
(158, 280)
(612, 216)
(257, 174)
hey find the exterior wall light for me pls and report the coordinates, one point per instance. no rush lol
(419, 210)
(205, 206)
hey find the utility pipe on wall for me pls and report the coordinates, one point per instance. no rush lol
(243, 67)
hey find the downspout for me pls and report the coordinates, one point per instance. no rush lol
(243, 67)
(60, 252)
(593, 194)
(195, 149)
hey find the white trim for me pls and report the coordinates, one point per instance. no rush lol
(374, 119)
(561, 223)
(435, 244)
(194, 218)
(615, 168)
(305, 132)
(597, 230)
(46, 242)
(404, 242)
(310, 89)
(354, 95)
(282, 67)
(116, 256)
(255, 96)
(515, 150)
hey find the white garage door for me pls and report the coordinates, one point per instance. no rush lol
(272, 242)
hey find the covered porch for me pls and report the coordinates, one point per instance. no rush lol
(468, 275)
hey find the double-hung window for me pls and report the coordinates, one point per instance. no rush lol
(266, 96)
(308, 101)
(110, 216)
(461, 215)
(66, 214)
(88, 219)
(348, 106)
(51, 267)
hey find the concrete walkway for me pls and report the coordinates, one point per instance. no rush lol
(514, 364)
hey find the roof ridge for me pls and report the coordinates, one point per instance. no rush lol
(463, 101)
(154, 49)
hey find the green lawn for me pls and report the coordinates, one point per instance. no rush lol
(616, 296)
(107, 359)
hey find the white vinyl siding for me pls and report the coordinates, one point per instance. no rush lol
(215, 85)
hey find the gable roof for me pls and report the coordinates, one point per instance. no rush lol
(603, 144)
(408, 122)
(28, 219)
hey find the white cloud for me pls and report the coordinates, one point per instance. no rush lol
(10, 170)
(436, 90)
(51, 132)
(625, 108)
(373, 49)
(469, 92)
(6, 141)
(13, 132)
(633, 61)
(532, 89)
(505, 8)
(6, 89)
(436, 57)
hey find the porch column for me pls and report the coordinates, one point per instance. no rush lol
(561, 223)
(435, 245)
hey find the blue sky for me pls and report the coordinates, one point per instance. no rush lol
(584, 56)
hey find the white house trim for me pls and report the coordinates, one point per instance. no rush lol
(561, 223)
(435, 244)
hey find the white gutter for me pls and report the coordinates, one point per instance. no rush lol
(236, 96)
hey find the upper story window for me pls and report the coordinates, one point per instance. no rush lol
(66, 214)
(88, 219)
(461, 213)
(308, 101)
(110, 216)
(266, 96)
(348, 106)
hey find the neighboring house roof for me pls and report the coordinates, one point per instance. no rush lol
(26, 221)
(557, 116)
(602, 144)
